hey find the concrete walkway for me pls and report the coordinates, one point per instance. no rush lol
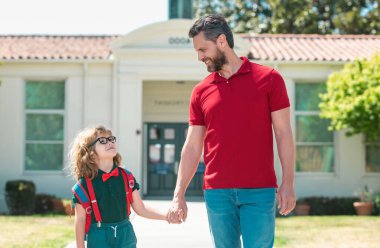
(159, 234)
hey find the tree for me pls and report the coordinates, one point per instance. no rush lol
(242, 15)
(296, 16)
(352, 100)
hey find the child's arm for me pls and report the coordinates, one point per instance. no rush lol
(80, 225)
(145, 211)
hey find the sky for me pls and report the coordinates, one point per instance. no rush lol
(79, 16)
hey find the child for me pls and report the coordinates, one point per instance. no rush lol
(104, 192)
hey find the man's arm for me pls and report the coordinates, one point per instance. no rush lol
(190, 156)
(285, 147)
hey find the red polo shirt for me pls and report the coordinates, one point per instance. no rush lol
(238, 148)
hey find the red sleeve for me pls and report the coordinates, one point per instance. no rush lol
(278, 97)
(196, 117)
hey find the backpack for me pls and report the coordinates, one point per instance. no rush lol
(89, 203)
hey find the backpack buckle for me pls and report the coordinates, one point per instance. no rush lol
(88, 210)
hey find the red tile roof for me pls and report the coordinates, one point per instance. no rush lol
(270, 47)
(41, 47)
(302, 47)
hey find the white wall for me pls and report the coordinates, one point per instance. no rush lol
(82, 108)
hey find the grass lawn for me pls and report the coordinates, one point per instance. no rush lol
(292, 232)
(36, 231)
(328, 232)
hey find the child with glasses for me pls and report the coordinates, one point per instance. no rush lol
(104, 192)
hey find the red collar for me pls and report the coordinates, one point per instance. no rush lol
(244, 68)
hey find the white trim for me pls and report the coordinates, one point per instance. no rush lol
(43, 172)
(62, 61)
(60, 142)
(145, 159)
(315, 174)
(45, 111)
(314, 143)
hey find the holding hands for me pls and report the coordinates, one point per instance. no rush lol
(177, 213)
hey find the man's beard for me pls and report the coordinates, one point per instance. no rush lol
(217, 63)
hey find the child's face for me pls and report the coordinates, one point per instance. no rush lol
(106, 147)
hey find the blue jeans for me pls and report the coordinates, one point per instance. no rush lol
(249, 213)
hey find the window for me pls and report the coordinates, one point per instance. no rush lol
(314, 143)
(44, 127)
(372, 156)
(180, 9)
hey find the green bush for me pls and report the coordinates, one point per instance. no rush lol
(352, 100)
(330, 205)
(377, 204)
(44, 203)
(20, 196)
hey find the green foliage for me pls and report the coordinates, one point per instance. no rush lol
(20, 196)
(242, 15)
(377, 203)
(296, 16)
(352, 100)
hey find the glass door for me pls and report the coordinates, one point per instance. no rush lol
(164, 145)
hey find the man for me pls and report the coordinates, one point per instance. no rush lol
(232, 112)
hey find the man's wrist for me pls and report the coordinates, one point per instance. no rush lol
(179, 194)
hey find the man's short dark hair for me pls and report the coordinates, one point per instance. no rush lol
(212, 26)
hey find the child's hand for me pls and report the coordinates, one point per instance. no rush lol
(180, 217)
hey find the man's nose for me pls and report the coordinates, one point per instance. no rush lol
(200, 56)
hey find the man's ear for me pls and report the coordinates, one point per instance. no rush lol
(221, 41)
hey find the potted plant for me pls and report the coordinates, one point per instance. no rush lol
(57, 205)
(302, 208)
(67, 206)
(366, 204)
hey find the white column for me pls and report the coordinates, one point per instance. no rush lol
(130, 122)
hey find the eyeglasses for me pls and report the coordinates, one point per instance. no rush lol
(104, 140)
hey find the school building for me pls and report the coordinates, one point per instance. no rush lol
(139, 85)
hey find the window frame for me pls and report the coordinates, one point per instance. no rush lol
(365, 144)
(297, 113)
(62, 112)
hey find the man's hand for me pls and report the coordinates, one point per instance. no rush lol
(177, 213)
(286, 199)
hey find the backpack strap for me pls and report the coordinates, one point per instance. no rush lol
(129, 183)
(81, 195)
(94, 202)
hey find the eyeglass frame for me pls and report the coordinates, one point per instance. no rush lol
(108, 139)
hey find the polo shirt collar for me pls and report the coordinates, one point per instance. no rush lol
(244, 68)
(100, 172)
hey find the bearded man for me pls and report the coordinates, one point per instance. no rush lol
(232, 113)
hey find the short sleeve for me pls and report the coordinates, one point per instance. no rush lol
(278, 97)
(136, 185)
(196, 117)
(74, 199)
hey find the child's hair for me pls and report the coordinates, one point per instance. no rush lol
(83, 156)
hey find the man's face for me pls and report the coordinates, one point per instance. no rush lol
(209, 53)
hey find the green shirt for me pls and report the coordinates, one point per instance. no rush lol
(110, 196)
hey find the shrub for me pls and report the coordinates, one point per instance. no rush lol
(352, 100)
(44, 204)
(20, 196)
(377, 204)
(331, 205)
